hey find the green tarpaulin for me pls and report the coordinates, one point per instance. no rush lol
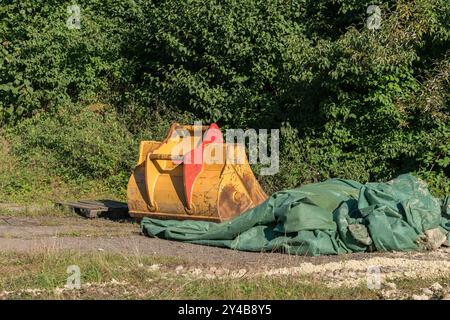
(332, 217)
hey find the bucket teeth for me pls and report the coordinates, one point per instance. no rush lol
(192, 174)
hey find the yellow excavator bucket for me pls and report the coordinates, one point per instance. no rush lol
(192, 174)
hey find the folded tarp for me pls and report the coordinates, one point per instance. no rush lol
(331, 217)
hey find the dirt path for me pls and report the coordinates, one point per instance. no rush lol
(33, 234)
(26, 234)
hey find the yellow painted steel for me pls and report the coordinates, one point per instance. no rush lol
(224, 187)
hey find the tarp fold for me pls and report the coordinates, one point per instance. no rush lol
(331, 217)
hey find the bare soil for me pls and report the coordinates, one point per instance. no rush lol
(28, 234)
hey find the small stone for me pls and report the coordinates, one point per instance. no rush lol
(196, 272)
(428, 292)
(239, 273)
(101, 249)
(221, 271)
(391, 285)
(436, 287)
(420, 297)
(179, 269)
(58, 291)
(387, 294)
(154, 267)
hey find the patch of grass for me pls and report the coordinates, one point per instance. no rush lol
(33, 211)
(6, 235)
(409, 286)
(72, 234)
(96, 233)
(112, 276)
(284, 287)
(48, 270)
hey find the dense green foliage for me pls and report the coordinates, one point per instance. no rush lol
(350, 102)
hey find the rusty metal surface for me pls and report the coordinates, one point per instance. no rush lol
(220, 191)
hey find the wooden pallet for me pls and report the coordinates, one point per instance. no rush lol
(97, 209)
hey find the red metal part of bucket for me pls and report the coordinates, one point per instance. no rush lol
(193, 161)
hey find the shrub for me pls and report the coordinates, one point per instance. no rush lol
(76, 142)
(44, 64)
(357, 100)
(351, 102)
